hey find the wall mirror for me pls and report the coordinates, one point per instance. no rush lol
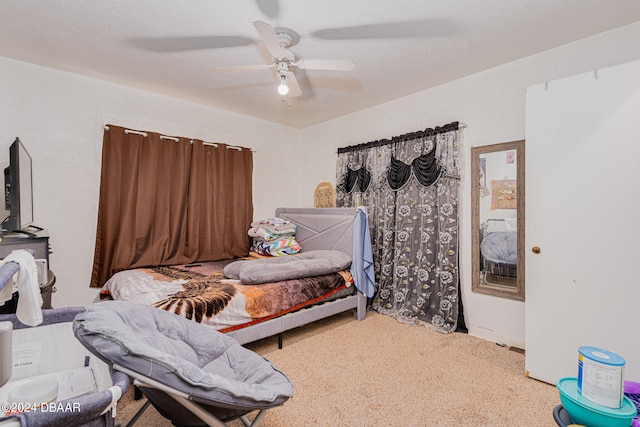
(497, 222)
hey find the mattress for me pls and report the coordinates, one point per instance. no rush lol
(200, 292)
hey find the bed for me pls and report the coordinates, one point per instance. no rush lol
(249, 312)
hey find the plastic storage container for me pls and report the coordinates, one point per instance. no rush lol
(584, 411)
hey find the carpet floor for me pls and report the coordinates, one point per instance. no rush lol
(379, 372)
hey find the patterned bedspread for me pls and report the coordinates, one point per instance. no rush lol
(201, 292)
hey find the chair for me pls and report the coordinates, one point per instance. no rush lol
(82, 390)
(189, 372)
(61, 356)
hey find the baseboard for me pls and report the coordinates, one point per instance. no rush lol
(494, 337)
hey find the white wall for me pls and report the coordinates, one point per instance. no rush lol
(60, 117)
(492, 104)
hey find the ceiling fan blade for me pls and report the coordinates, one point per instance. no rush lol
(294, 87)
(325, 64)
(242, 68)
(393, 30)
(269, 38)
(180, 44)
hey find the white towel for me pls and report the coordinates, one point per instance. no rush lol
(29, 310)
(6, 293)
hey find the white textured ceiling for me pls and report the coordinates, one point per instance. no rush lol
(398, 46)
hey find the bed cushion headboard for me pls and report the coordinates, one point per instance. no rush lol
(322, 228)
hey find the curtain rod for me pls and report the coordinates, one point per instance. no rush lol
(405, 137)
(176, 139)
(127, 131)
(215, 145)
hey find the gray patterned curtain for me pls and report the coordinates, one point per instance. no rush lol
(409, 185)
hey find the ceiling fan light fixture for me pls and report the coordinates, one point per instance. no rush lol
(283, 89)
(278, 41)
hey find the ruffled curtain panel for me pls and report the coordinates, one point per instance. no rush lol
(409, 185)
(169, 201)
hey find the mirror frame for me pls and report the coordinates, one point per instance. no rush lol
(510, 292)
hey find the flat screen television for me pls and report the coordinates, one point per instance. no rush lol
(18, 189)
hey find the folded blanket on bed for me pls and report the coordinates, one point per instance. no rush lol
(268, 234)
(271, 221)
(306, 264)
(287, 226)
(278, 247)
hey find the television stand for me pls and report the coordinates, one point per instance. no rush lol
(39, 244)
(17, 233)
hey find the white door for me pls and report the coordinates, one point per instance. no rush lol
(583, 212)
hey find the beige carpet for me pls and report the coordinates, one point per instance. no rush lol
(379, 372)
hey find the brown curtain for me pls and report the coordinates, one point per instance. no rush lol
(166, 202)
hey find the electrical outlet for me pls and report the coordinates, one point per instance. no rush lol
(43, 271)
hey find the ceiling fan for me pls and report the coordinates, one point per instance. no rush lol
(278, 41)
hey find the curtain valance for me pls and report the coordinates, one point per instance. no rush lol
(428, 132)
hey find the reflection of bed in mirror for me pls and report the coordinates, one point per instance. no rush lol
(498, 251)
